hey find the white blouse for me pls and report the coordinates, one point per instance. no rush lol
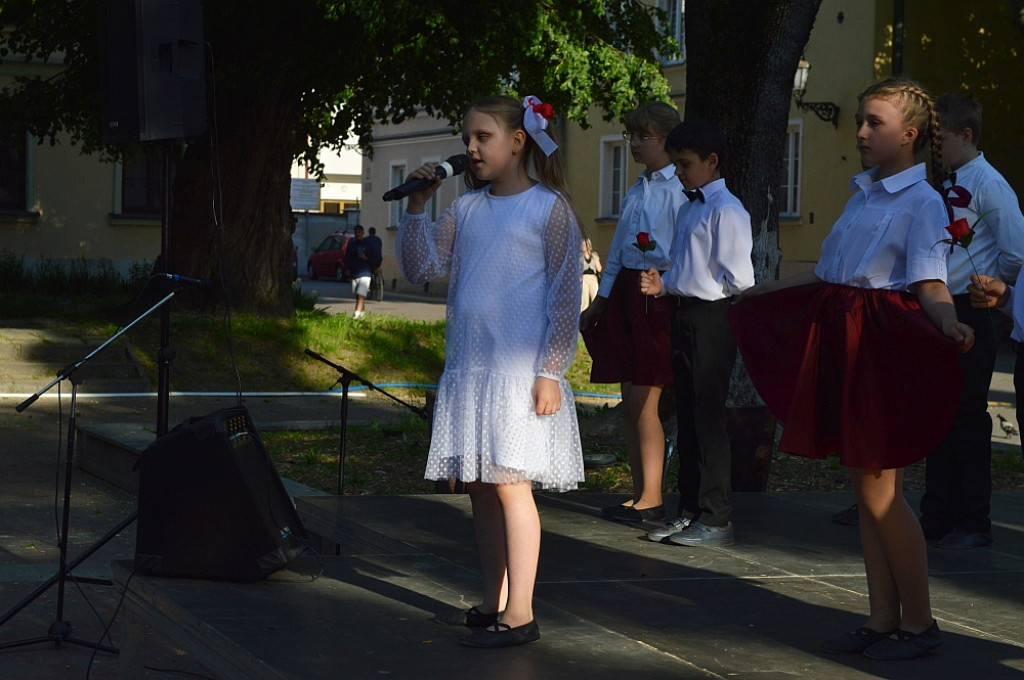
(889, 234)
(650, 206)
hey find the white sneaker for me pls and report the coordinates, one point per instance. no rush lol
(674, 527)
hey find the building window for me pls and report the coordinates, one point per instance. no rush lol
(13, 172)
(397, 207)
(142, 187)
(789, 183)
(614, 175)
(675, 25)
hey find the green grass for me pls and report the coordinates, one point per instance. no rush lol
(389, 458)
(270, 352)
(380, 458)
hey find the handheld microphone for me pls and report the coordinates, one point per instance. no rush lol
(198, 283)
(455, 165)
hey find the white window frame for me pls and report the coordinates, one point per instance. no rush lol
(792, 167)
(396, 175)
(675, 11)
(432, 205)
(615, 180)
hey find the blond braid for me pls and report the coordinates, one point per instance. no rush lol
(919, 112)
(938, 172)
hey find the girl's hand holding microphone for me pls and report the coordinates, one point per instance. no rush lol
(418, 201)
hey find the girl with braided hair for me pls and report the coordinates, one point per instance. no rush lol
(869, 333)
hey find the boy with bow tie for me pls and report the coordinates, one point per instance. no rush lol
(711, 264)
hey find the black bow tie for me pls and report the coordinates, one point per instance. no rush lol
(695, 195)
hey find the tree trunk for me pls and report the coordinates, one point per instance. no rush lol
(741, 59)
(232, 191)
(238, 214)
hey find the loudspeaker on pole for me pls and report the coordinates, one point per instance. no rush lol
(211, 504)
(152, 58)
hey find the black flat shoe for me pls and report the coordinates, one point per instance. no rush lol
(903, 644)
(471, 618)
(631, 515)
(854, 642)
(502, 635)
(609, 510)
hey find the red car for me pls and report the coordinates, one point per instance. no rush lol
(329, 258)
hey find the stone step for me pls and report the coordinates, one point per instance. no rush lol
(30, 358)
(22, 370)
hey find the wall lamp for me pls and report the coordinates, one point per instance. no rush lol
(827, 111)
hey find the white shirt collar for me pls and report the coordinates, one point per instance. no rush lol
(891, 184)
(667, 172)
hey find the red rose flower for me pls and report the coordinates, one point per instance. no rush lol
(962, 234)
(643, 238)
(959, 229)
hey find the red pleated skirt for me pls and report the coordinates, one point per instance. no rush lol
(633, 341)
(860, 372)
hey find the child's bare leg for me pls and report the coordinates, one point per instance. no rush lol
(630, 429)
(652, 446)
(522, 536)
(489, 526)
(645, 442)
(895, 555)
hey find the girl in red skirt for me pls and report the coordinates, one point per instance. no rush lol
(859, 357)
(628, 334)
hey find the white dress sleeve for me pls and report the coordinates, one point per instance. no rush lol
(562, 239)
(424, 251)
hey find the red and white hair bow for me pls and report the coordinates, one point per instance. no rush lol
(535, 119)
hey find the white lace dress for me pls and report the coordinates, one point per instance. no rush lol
(513, 307)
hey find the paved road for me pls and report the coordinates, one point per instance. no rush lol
(337, 298)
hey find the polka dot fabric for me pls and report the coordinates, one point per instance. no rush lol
(513, 303)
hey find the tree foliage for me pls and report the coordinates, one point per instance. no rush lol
(289, 77)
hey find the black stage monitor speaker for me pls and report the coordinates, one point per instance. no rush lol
(152, 61)
(211, 504)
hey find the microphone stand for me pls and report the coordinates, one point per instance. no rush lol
(345, 379)
(60, 630)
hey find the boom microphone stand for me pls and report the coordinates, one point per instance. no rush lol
(60, 630)
(346, 379)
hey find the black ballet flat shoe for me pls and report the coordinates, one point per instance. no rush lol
(471, 618)
(903, 644)
(854, 642)
(632, 515)
(610, 510)
(502, 635)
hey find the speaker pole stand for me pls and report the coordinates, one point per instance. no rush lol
(346, 379)
(60, 630)
(165, 355)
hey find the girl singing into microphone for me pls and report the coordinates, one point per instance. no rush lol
(505, 421)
